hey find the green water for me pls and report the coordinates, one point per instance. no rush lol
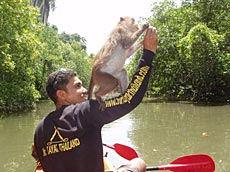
(159, 132)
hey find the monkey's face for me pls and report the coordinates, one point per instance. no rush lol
(129, 23)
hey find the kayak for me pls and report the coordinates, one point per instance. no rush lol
(107, 166)
(39, 168)
(189, 163)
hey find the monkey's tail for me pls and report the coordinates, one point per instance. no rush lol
(90, 90)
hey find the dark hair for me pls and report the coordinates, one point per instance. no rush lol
(58, 81)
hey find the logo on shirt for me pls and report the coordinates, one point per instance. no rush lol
(131, 91)
(59, 144)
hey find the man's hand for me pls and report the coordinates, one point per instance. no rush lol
(151, 39)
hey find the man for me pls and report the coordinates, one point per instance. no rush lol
(69, 138)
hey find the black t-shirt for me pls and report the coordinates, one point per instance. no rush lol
(69, 139)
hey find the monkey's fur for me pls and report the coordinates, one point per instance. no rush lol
(108, 70)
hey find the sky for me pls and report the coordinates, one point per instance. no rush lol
(95, 19)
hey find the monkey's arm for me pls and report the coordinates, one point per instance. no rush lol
(134, 48)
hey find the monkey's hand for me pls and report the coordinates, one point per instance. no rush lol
(145, 26)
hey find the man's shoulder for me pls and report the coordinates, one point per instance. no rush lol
(45, 122)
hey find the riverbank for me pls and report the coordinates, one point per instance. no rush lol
(9, 111)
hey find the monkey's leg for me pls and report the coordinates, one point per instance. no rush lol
(123, 80)
(106, 83)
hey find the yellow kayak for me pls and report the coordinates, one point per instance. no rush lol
(107, 166)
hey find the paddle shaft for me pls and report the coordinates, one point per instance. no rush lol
(172, 167)
(204, 163)
(186, 167)
(108, 146)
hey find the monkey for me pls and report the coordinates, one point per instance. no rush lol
(108, 70)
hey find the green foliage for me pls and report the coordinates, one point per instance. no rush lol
(61, 51)
(50, 57)
(192, 58)
(18, 49)
(76, 58)
(205, 68)
(29, 51)
(215, 14)
(69, 38)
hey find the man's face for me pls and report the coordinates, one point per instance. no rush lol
(75, 92)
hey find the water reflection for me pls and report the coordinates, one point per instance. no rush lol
(16, 134)
(164, 131)
(160, 132)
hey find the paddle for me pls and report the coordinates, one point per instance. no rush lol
(189, 163)
(123, 150)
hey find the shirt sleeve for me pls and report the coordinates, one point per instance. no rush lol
(117, 107)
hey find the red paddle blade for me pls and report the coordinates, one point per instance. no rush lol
(191, 163)
(125, 151)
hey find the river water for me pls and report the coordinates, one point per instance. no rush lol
(159, 132)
